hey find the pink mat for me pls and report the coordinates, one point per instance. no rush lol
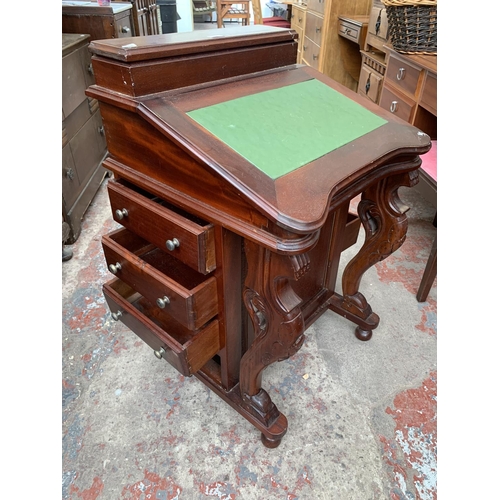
(429, 161)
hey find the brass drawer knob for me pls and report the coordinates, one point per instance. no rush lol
(114, 268)
(401, 74)
(162, 302)
(117, 315)
(120, 214)
(159, 353)
(172, 244)
(394, 106)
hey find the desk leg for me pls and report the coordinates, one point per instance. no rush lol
(275, 311)
(383, 217)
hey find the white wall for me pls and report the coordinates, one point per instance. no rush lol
(185, 10)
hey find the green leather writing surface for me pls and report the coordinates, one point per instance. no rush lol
(283, 129)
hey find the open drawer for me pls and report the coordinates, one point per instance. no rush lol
(187, 237)
(184, 349)
(186, 295)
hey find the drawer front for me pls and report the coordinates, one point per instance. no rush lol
(185, 350)
(403, 75)
(429, 93)
(123, 27)
(400, 106)
(298, 18)
(370, 84)
(73, 81)
(349, 31)
(310, 53)
(378, 25)
(316, 6)
(186, 295)
(186, 239)
(70, 181)
(314, 27)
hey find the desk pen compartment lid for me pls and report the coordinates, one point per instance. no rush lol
(140, 66)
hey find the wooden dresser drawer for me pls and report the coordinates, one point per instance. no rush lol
(370, 83)
(184, 349)
(401, 106)
(378, 24)
(310, 53)
(403, 75)
(298, 18)
(188, 238)
(350, 31)
(186, 295)
(313, 29)
(317, 6)
(429, 93)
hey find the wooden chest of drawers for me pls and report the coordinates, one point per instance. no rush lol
(115, 21)
(410, 90)
(83, 141)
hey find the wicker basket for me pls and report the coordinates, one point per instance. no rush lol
(412, 25)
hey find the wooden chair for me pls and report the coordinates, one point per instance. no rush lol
(204, 7)
(239, 9)
(268, 21)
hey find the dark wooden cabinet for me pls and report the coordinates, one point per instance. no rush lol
(222, 263)
(115, 21)
(83, 140)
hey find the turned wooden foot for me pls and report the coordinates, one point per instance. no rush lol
(270, 442)
(363, 334)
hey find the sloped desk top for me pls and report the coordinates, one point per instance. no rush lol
(298, 199)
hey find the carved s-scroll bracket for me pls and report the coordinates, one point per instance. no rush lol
(382, 215)
(276, 315)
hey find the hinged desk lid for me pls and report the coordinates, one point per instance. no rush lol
(134, 49)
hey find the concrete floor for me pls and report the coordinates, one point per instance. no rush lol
(362, 415)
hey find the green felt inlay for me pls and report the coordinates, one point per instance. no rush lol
(283, 129)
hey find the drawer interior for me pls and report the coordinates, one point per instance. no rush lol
(159, 259)
(163, 203)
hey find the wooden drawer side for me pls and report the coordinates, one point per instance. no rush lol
(429, 93)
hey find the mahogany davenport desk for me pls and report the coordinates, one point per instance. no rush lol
(233, 172)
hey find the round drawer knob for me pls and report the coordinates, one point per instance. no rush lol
(117, 315)
(172, 244)
(162, 302)
(114, 268)
(159, 354)
(120, 214)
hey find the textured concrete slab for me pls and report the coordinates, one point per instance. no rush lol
(362, 415)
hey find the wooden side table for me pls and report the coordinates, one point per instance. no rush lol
(230, 247)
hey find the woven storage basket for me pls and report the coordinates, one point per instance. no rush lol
(412, 25)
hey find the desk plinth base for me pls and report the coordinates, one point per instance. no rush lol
(272, 434)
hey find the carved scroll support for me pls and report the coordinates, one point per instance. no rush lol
(278, 325)
(383, 216)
